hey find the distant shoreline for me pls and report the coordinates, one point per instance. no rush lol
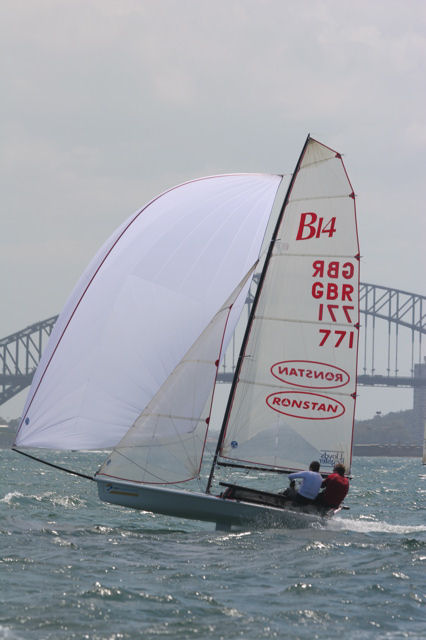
(359, 451)
(385, 450)
(388, 450)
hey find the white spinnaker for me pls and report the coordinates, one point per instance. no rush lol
(141, 303)
(166, 442)
(295, 397)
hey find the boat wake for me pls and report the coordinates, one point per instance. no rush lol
(367, 526)
(18, 498)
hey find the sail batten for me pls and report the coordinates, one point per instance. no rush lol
(271, 319)
(335, 197)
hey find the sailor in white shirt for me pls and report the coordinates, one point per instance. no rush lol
(311, 483)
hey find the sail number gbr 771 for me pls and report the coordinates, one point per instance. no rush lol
(333, 286)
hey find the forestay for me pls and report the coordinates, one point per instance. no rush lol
(144, 300)
(294, 399)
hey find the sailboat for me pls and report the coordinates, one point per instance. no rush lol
(132, 363)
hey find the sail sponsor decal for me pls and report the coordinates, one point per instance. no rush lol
(117, 491)
(305, 405)
(331, 458)
(310, 374)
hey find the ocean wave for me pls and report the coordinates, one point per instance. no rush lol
(369, 526)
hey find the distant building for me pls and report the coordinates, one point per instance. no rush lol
(6, 436)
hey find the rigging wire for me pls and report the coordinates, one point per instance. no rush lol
(55, 466)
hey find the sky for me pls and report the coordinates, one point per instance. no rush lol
(107, 103)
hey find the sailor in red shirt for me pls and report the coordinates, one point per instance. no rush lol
(336, 486)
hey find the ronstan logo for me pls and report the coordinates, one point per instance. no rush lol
(301, 404)
(309, 374)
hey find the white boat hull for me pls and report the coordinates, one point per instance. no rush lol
(201, 506)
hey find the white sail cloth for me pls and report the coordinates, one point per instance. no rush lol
(142, 302)
(166, 443)
(295, 396)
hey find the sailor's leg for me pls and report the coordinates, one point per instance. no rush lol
(288, 494)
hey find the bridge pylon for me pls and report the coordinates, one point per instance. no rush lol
(419, 402)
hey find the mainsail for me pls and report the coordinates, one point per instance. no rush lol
(140, 305)
(293, 398)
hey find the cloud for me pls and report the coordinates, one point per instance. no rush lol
(107, 103)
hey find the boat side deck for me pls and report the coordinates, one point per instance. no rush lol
(244, 507)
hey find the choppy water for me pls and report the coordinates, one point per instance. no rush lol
(72, 567)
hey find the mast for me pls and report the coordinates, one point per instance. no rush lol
(251, 316)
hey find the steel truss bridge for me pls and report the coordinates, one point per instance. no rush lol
(390, 348)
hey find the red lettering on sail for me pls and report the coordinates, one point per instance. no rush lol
(337, 337)
(332, 291)
(348, 270)
(305, 405)
(332, 294)
(308, 225)
(313, 226)
(346, 309)
(310, 374)
(333, 269)
(318, 266)
(347, 291)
